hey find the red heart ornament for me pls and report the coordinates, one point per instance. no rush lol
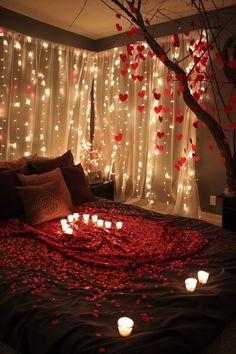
(118, 27)
(158, 109)
(123, 57)
(160, 147)
(150, 53)
(196, 124)
(160, 134)
(118, 137)
(123, 96)
(157, 95)
(123, 72)
(179, 136)
(140, 77)
(141, 107)
(160, 119)
(140, 48)
(141, 93)
(134, 66)
(179, 119)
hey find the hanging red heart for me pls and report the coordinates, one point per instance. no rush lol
(134, 66)
(186, 34)
(140, 48)
(196, 124)
(150, 53)
(140, 77)
(157, 95)
(196, 158)
(141, 107)
(158, 109)
(123, 72)
(118, 15)
(123, 96)
(123, 57)
(168, 78)
(141, 56)
(160, 147)
(118, 137)
(141, 93)
(179, 119)
(134, 77)
(118, 27)
(179, 136)
(160, 134)
(193, 146)
(130, 49)
(160, 119)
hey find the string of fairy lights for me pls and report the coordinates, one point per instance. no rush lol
(47, 110)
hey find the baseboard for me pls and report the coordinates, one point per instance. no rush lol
(214, 219)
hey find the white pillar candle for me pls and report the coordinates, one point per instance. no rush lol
(94, 218)
(76, 216)
(65, 227)
(63, 222)
(202, 276)
(190, 284)
(70, 218)
(119, 225)
(107, 224)
(125, 326)
(86, 217)
(100, 223)
(69, 231)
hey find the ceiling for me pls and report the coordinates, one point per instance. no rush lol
(93, 19)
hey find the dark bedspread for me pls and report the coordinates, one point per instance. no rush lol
(63, 294)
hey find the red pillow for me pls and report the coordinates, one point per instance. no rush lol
(77, 184)
(45, 202)
(39, 166)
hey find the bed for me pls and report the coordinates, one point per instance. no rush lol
(64, 293)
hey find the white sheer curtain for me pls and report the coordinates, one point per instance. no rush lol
(44, 98)
(149, 153)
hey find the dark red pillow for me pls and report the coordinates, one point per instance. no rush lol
(10, 202)
(77, 184)
(40, 166)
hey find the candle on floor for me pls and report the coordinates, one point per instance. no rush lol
(76, 216)
(94, 218)
(125, 326)
(107, 224)
(86, 218)
(119, 225)
(70, 218)
(202, 276)
(100, 223)
(69, 231)
(191, 284)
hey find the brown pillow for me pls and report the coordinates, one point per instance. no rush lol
(17, 163)
(40, 166)
(37, 179)
(10, 202)
(77, 184)
(45, 202)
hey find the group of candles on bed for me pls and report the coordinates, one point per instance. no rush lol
(125, 324)
(67, 224)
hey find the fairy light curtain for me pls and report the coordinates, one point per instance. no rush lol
(44, 98)
(146, 133)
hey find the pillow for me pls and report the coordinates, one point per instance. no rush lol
(37, 179)
(77, 184)
(17, 163)
(45, 202)
(10, 202)
(39, 166)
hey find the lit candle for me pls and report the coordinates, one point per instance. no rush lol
(100, 223)
(63, 222)
(125, 326)
(190, 284)
(76, 216)
(86, 218)
(94, 218)
(119, 225)
(107, 224)
(202, 276)
(70, 218)
(69, 231)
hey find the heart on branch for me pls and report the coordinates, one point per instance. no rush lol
(160, 134)
(118, 137)
(160, 147)
(118, 27)
(123, 97)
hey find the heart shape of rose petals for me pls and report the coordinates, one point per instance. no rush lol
(123, 96)
(160, 147)
(118, 137)
(160, 134)
(118, 27)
